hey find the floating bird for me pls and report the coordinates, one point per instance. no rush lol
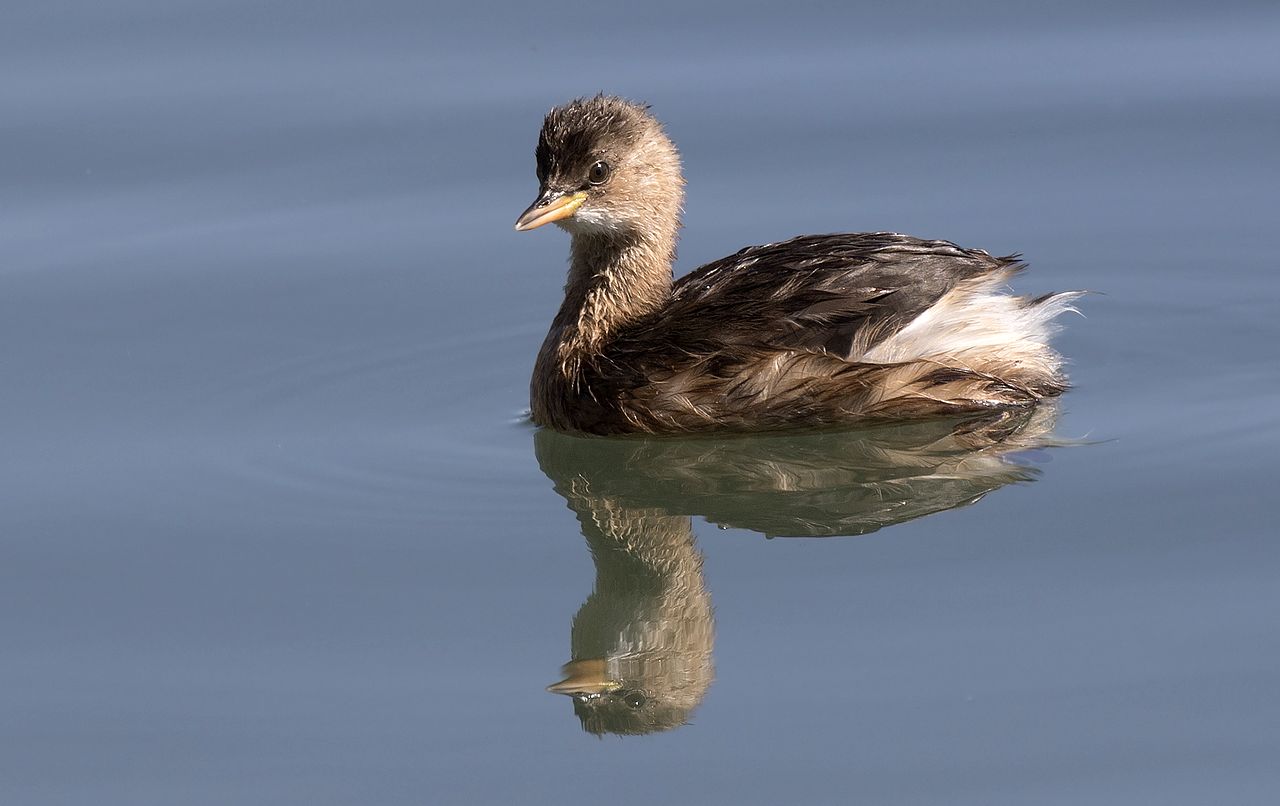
(813, 331)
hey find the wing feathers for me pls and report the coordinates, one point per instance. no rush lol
(833, 328)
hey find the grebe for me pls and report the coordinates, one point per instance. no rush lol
(816, 330)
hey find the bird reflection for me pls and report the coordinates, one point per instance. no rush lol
(641, 644)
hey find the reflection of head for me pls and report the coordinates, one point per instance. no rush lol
(640, 705)
(642, 642)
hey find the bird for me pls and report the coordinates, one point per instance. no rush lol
(819, 330)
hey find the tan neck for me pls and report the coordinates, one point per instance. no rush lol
(613, 281)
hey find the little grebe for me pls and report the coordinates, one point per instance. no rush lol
(816, 330)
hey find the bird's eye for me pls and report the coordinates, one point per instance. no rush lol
(634, 699)
(599, 173)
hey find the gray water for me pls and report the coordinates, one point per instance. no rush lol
(276, 530)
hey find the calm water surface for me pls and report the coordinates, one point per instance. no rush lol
(275, 530)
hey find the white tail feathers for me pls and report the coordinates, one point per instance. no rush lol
(976, 326)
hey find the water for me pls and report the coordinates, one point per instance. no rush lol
(275, 530)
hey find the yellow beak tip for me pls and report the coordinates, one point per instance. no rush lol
(558, 209)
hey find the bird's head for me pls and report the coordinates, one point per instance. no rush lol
(606, 167)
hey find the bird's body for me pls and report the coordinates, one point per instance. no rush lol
(816, 330)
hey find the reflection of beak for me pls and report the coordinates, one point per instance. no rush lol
(585, 677)
(552, 205)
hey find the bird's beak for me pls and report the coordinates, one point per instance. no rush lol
(552, 205)
(589, 676)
